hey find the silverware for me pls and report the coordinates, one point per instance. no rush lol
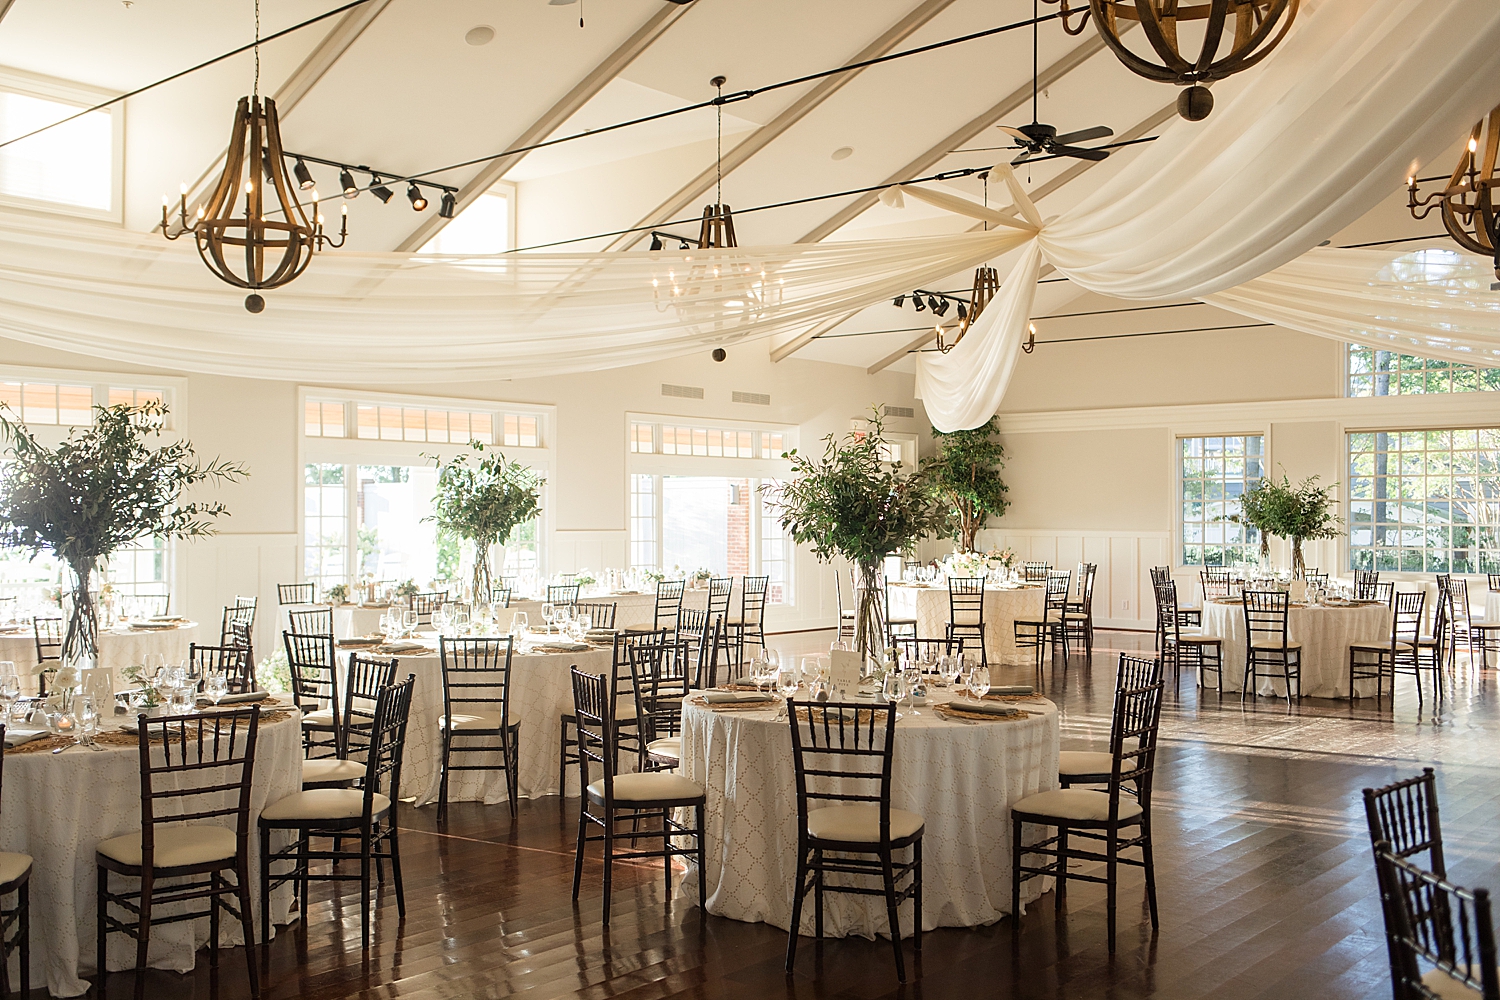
(68, 747)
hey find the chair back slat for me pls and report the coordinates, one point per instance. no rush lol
(1404, 814)
(476, 675)
(601, 615)
(668, 604)
(1431, 920)
(296, 593)
(189, 764)
(311, 621)
(563, 593)
(966, 600)
(753, 600)
(842, 753)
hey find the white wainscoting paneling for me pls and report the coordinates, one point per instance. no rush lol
(1122, 584)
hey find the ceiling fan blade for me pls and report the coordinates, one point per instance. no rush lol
(1021, 159)
(982, 149)
(1080, 153)
(1084, 135)
(1014, 132)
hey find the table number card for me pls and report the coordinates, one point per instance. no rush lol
(844, 671)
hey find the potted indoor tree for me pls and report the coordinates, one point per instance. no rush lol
(102, 488)
(482, 503)
(852, 503)
(965, 474)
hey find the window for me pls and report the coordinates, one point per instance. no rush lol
(643, 519)
(73, 164)
(1215, 473)
(140, 568)
(45, 402)
(404, 423)
(520, 431)
(484, 227)
(1425, 501)
(1374, 372)
(776, 552)
(325, 524)
(705, 442)
(323, 419)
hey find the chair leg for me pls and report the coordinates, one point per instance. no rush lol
(101, 904)
(23, 915)
(1062, 869)
(1015, 872)
(582, 842)
(365, 843)
(799, 892)
(916, 895)
(1111, 870)
(214, 881)
(442, 813)
(247, 923)
(396, 864)
(702, 863)
(265, 885)
(817, 874)
(609, 861)
(300, 875)
(889, 877)
(143, 927)
(562, 760)
(1149, 864)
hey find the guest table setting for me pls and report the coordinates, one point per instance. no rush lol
(122, 645)
(1004, 605)
(1325, 631)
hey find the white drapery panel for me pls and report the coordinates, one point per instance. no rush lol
(1358, 96)
(397, 318)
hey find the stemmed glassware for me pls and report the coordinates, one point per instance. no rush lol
(10, 687)
(911, 679)
(216, 686)
(979, 682)
(893, 687)
(787, 680)
(409, 622)
(549, 614)
(88, 723)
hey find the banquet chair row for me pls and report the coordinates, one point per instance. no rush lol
(1428, 920)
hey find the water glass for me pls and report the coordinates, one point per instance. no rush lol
(787, 680)
(893, 687)
(409, 622)
(519, 623)
(809, 668)
(88, 722)
(911, 679)
(216, 687)
(549, 613)
(979, 682)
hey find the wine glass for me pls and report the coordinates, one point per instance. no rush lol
(409, 622)
(911, 679)
(979, 682)
(216, 687)
(519, 623)
(809, 667)
(461, 621)
(88, 722)
(787, 680)
(893, 687)
(10, 686)
(549, 614)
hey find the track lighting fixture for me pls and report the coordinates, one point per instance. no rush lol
(655, 242)
(379, 190)
(916, 300)
(900, 300)
(939, 307)
(963, 313)
(303, 175)
(415, 196)
(448, 205)
(932, 303)
(683, 245)
(267, 165)
(347, 185)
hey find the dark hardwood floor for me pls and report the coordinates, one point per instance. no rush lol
(1266, 885)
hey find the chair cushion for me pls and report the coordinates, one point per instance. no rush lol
(1084, 762)
(13, 866)
(669, 747)
(327, 769)
(1075, 803)
(1380, 647)
(860, 824)
(1199, 640)
(323, 803)
(471, 720)
(323, 717)
(1268, 644)
(175, 845)
(1447, 987)
(649, 786)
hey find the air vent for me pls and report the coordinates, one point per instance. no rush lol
(756, 398)
(682, 391)
(900, 411)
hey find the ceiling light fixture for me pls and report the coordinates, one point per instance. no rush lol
(916, 300)
(303, 175)
(480, 34)
(274, 238)
(900, 300)
(379, 190)
(655, 242)
(346, 183)
(1469, 212)
(843, 152)
(1250, 25)
(415, 196)
(448, 205)
(717, 229)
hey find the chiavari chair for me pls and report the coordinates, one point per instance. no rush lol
(750, 626)
(427, 603)
(622, 682)
(1464, 629)
(47, 633)
(1365, 582)
(296, 593)
(1394, 655)
(1093, 767)
(966, 611)
(1035, 572)
(1039, 634)
(500, 596)
(232, 661)
(314, 673)
(1078, 619)
(311, 621)
(563, 593)
(1430, 920)
(241, 639)
(1216, 583)
(720, 590)
(1205, 653)
(848, 617)
(601, 614)
(476, 713)
(15, 921)
(1190, 618)
(906, 625)
(1267, 643)
(668, 604)
(364, 678)
(241, 612)
(660, 678)
(1405, 815)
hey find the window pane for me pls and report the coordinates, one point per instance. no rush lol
(70, 164)
(333, 419)
(1216, 472)
(75, 404)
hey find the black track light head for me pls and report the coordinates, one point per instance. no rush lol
(963, 313)
(655, 242)
(267, 166)
(932, 303)
(941, 308)
(415, 196)
(916, 300)
(899, 301)
(347, 185)
(683, 245)
(379, 190)
(304, 176)
(448, 205)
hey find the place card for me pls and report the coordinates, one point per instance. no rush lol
(844, 670)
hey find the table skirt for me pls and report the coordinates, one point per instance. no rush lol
(1002, 608)
(1325, 634)
(118, 649)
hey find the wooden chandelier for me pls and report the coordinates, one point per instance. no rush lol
(1468, 201)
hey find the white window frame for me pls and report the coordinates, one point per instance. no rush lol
(1347, 375)
(68, 92)
(352, 452)
(1175, 435)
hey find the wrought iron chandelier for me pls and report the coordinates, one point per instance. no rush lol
(1467, 203)
(1258, 27)
(253, 232)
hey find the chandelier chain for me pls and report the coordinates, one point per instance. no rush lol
(719, 147)
(256, 89)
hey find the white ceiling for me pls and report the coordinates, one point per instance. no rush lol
(409, 94)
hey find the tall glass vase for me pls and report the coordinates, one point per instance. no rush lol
(869, 622)
(481, 581)
(81, 641)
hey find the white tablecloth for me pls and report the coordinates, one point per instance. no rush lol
(59, 806)
(352, 619)
(1325, 634)
(118, 649)
(961, 778)
(1002, 608)
(541, 690)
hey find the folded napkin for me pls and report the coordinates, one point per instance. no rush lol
(166, 618)
(238, 699)
(983, 707)
(1012, 689)
(603, 633)
(733, 697)
(403, 647)
(15, 737)
(362, 640)
(561, 646)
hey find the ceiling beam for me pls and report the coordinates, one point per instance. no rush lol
(971, 129)
(5, 6)
(1071, 174)
(778, 126)
(585, 90)
(306, 76)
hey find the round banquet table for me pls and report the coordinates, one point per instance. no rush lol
(1002, 608)
(636, 609)
(119, 647)
(357, 619)
(541, 690)
(961, 777)
(59, 806)
(1325, 633)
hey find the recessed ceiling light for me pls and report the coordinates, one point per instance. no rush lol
(843, 152)
(480, 34)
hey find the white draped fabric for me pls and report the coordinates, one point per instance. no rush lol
(1357, 98)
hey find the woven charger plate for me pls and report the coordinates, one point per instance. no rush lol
(1010, 698)
(861, 716)
(958, 713)
(736, 706)
(119, 739)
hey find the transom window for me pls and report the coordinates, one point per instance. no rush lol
(1215, 473)
(423, 424)
(1373, 372)
(704, 442)
(1425, 501)
(45, 402)
(72, 164)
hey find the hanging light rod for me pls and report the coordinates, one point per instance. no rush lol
(346, 176)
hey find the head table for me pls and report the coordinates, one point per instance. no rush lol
(960, 776)
(119, 647)
(1325, 632)
(57, 807)
(1003, 606)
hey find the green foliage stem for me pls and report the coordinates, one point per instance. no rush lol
(966, 475)
(483, 503)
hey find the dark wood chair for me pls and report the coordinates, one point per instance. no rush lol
(1078, 619)
(1365, 582)
(476, 711)
(927, 650)
(152, 604)
(1405, 815)
(310, 661)
(311, 621)
(1035, 572)
(966, 611)
(240, 638)
(428, 603)
(647, 800)
(15, 921)
(750, 626)
(601, 615)
(1398, 654)
(622, 683)
(659, 677)
(1434, 922)
(1181, 647)
(47, 633)
(720, 591)
(842, 752)
(1216, 583)
(364, 678)
(563, 593)
(232, 661)
(1267, 643)
(1118, 819)
(894, 626)
(1040, 634)
(241, 612)
(296, 593)
(1465, 630)
(1093, 767)
(501, 596)
(367, 812)
(196, 774)
(1434, 646)
(1187, 617)
(668, 604)
(706, 675)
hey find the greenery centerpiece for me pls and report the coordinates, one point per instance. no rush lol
(853, 503)
(102, 488)
(482, 503)
(1298, 512)
(965, 473)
